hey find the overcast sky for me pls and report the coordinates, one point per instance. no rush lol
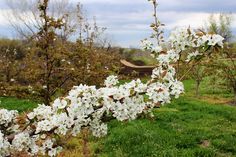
(127, 21)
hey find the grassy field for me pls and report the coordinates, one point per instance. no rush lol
(11, 103)
(184, 128)
(189, 126)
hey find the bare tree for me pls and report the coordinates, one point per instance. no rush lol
(53, 63)
(221, 24)
(225, 60)
(25, 18)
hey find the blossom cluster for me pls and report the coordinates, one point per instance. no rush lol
(90, 107)
(180, 40)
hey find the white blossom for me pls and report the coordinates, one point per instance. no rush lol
(192, 55)
(7, 117)
(59, 104)
(21, 141)
(111, 81)
(86, 106)
(158, 93)
(4, 145)
(157, 49)
(146, 44)
(211, 40)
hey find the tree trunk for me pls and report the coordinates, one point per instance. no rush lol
(8, 77)
(46, 100)
(197, 87)
(234, 102)
(47, 97)
(85, 134)
(234, 98)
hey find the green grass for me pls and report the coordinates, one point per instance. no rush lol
(179, 129)
(21, 105)
(188, 127)
(209, 93)
(206, 89)
(145, 60)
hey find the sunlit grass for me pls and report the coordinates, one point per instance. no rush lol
(187, 127)
(180, 129)
(21, 105)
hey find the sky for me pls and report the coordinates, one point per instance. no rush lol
(127, 21)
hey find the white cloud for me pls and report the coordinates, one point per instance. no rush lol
(6, 16)
(195, 20)
(3, 17)
(112, 1)
(128, 20)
